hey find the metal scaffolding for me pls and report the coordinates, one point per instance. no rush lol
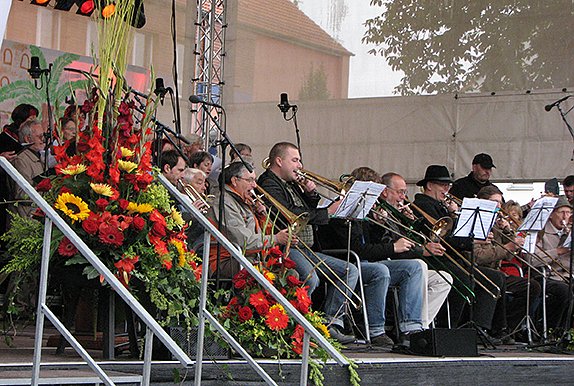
(208, 75)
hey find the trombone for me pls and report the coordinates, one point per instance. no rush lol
(440, 237)
(295, 224)
(420, 242)
(194, 195)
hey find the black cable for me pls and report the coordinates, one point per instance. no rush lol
(174, 69)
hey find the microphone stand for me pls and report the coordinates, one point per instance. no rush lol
(48, 136)
(563, 116)
(567, 322)
(293, 117)
(224, 142)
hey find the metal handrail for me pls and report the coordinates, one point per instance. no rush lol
(153, 327)
(204, 314)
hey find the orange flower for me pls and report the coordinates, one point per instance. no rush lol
(108, 11)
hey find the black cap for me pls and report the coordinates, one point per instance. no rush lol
(435, 173)
(483, 160)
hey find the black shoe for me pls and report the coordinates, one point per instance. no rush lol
(382, 340)
(339, 336)
(489, 339)
(503, 336)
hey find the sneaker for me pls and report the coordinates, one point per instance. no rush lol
(340, 336)
(382, 340)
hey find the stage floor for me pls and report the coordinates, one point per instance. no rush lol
(508, 365)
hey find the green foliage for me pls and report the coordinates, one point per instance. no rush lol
(156, 195)
(24, 241)
(450, 46)
(315, 86)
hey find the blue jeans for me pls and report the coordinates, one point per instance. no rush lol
(408, 276)
(339, 270)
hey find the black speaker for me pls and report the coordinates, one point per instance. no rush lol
(445, 342)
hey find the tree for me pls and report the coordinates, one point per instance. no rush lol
(315, 86)
(475, 45)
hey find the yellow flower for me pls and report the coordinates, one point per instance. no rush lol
(126, 153)
(140, 208)
(72, 170)
(277, 306)
(324, 330)
(103, 189)
(176, 216)
(269, 276)
(72, 206)
(178, 244)
(127, 166)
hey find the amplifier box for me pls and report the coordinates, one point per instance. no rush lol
(445, 342)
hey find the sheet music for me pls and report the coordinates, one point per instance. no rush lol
(530, 242)
(538, 215)
(359, 200)
(485, 217)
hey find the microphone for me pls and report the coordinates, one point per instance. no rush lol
(160, 89)
(551, 105)
(284, 105)
(197, 99)
(35, 71)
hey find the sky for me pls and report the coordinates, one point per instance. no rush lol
(370, 76)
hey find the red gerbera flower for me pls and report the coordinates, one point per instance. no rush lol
(91, 224)
(277, 319)
(293, 281)
(245, 314)
(288, 263)
(66, 248)
(303, 299)
(260, 302)
(111, 236)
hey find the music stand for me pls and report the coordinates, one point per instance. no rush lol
(476, 220)
(356, 205)
(536, 221)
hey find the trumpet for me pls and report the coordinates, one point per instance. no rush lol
(194, 195)
(440, 237)
(296, 223)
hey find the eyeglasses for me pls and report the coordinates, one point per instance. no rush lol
(250, 179)
(404, 192)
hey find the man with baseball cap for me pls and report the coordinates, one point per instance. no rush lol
(478, 178)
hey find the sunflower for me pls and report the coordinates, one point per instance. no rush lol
(178, 244)
(72, 170)
(176, 216)
(127, 166)
(72, 206)
(126, 153)
(139, 208)
(103, 189)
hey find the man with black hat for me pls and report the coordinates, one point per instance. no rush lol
(478, 178)
(436, 184)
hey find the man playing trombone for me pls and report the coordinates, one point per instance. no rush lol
(431, 205)
(503, 245)
(281, 181)
(550, 248)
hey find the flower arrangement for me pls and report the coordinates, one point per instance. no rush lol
(262, 325)
(104, 188)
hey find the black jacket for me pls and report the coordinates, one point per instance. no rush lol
(467, 187)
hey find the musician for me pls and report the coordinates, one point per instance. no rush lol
(172, 166)
(478, 178)
(549, 246)
(491, 254)
(568, 185)
(241, 223)
(436, 184)
(280, 180)
(196, 179)
(437, 284)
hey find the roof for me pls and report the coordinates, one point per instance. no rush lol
(282, 19)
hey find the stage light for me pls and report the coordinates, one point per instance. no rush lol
(43, 3)
(86, 7)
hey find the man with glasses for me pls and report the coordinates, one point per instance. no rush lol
(280, 180)
(478, 178)
(243, 219)
(436, 184)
